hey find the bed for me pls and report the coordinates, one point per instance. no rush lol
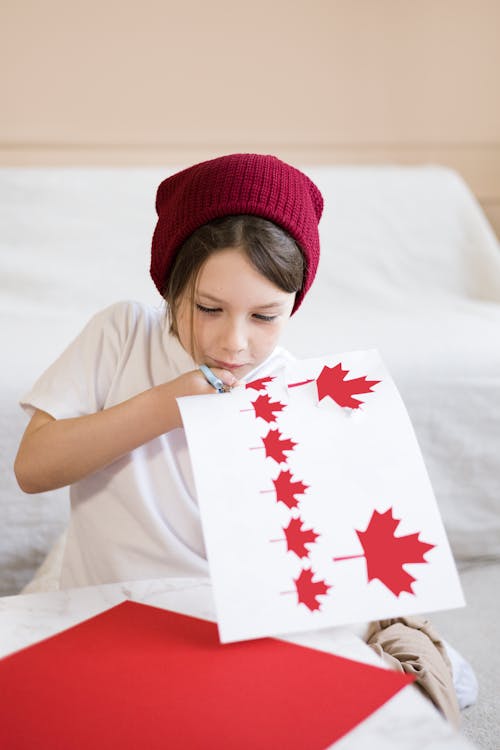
(409, 266)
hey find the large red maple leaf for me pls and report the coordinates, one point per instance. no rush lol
(386, 554)
(309, 590)
(265, 408)
(259, 384)
(331, 382)
(297, 537)
(276, 447)
(286, 489)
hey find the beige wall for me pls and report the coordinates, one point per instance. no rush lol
(345, 81)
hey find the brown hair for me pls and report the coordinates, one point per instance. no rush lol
(268, 247)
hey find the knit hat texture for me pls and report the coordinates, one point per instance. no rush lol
(236, 184)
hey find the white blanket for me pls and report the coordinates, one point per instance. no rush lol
(409, 265)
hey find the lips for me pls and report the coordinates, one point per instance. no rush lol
(229, 365)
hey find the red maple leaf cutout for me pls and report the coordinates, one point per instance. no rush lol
(308, 590)
(386, 554)
(330, 382)
(276, 447)
(286, 489)
(265, 408)
(259, 384)
(297, 537)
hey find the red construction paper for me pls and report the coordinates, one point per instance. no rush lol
(137, 676)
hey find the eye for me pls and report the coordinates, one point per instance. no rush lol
(207, 310)
(265, 318)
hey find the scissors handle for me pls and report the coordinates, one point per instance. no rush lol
(212, 378)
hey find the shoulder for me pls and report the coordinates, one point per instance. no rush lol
(139, 334)
(130, 313)
(111, 332)
(125, 319)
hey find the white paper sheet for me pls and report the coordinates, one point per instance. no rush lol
(362, 467)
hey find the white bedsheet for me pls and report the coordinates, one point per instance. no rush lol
(409, 266)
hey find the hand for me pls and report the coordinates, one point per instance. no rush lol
(194, 382)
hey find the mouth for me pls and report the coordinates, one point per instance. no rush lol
(232, 366)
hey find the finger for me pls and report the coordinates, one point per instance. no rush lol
(220, 379)
(227, 377)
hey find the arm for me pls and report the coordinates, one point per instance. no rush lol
(55, 453)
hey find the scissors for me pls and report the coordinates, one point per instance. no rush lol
(214, 381)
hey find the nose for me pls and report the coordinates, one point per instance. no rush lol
(234, 337)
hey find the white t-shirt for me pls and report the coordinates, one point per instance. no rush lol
(138, 518)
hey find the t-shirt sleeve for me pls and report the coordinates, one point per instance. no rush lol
(78, 382)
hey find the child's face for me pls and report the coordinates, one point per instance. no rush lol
(238, 314)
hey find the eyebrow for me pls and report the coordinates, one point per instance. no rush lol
(268, 306)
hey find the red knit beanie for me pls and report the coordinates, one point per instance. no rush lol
(236, 184)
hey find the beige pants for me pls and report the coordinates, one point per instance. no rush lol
(410, 644)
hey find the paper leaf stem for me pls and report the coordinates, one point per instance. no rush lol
(302, 382)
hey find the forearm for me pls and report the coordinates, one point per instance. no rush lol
(55, 453)
(60, 452)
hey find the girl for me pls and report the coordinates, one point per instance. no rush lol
(234, 252)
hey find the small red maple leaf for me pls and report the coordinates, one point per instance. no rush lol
(276, 447)
(386, 554)
(308, 590)
(330, 382)
(259, 384)
(265, 408)
(286, 489)
(297, 537)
